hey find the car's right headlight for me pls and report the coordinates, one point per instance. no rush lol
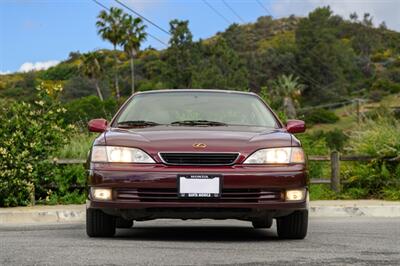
(115, 154)
(285, 155)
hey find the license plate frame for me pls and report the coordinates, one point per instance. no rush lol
(207, 185)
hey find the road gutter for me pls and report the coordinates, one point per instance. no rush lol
(76, 213)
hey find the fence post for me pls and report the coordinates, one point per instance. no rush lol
(335, 171)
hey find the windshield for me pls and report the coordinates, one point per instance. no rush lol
(196, 108)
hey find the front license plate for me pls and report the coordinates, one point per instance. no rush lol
(199, 186)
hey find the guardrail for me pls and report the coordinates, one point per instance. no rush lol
(334, 158)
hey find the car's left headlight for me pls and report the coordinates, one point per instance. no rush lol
(277, 156)
(115, 154)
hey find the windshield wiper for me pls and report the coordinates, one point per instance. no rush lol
(198, 123)
(137, 123)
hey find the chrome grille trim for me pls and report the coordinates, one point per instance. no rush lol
(213, 156)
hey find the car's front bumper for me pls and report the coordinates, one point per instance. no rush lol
(150, 191)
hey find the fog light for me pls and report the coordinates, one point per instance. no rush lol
(294, 195)
(101, 193)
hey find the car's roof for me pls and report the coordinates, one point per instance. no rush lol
(195, 90)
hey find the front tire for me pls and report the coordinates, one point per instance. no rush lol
(293, 226)
(99, 224)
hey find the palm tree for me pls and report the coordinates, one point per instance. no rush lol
(289, 89)
(110, 27)
(91, 68)
(133, 38)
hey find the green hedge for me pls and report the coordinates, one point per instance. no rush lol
(29, 134)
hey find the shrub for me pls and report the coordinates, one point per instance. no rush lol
(332, 140)
(336, 139)
(320, 116)
(377, 113)
(391, 193)
(147, 85)
(321, 192)
(378, 137)
(396, 113)
(61, 71)
(378, 178)
(376, 95)
(28, 135)
(315, 145)
(67, 185)
(378, 57)
(393, 74)
(282, 116)
(18, 93)
(78, 87)
(84, 109)
(386, 85)
(77, 147)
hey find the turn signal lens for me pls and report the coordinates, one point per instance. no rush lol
(99, 154)
(297, 155)
(101, 193)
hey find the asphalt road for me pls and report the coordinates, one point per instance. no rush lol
(331, 241)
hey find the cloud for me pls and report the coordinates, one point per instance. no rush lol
(28, 66)
(383, 10)
(5, 72)
(142, 5)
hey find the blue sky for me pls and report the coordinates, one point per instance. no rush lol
(39, 33)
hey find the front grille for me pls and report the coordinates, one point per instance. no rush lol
(171, 195)
(199, 158)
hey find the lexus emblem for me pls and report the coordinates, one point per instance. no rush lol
(199, 145)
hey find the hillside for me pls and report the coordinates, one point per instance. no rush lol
(332, 57)
(341, 76)
(348, 115)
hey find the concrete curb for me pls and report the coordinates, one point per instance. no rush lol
(42, 214)
(352, 208)
(76, 213)
(368, 211)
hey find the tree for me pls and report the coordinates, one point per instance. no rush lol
(367, 20)
(383, 26)
(92, 69)
(353, 17)
(327, 63)
(179, 55)
(131, 41)
(110, 28)
(288, 89)
(220, 67)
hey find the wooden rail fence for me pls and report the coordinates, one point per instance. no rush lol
(334, 158)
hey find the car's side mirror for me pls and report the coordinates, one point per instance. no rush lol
(97, 125)
(295, 126)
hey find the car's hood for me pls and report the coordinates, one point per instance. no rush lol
(244, 140)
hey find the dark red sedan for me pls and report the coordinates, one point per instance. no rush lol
(193, 154)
